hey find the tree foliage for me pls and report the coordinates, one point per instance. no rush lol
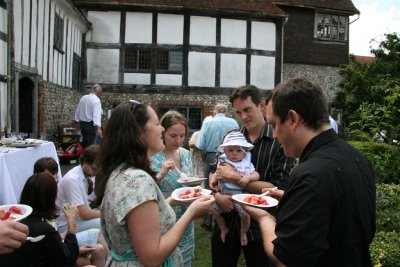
(369, 93)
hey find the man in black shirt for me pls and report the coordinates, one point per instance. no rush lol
(326, 215)
(269, 161)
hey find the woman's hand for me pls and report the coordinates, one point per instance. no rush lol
(71, 213)
(202, 206)
(86, 250)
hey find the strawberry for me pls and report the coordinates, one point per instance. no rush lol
(16, 210)
(4, 215)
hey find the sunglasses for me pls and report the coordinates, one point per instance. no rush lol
(134, 105)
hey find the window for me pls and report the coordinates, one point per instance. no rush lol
(192, 114)
(58, 32)
(76, 72)
(140, 59)
(169, 60)
(331, 27)
(137, 59)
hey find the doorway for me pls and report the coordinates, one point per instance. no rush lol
(26, 86)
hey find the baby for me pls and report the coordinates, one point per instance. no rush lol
(236, 153)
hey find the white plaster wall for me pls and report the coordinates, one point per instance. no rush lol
(3, 20)
(137, 78)
(17, 31)
(169, 79)
(138, 27)
(46, 40)
(170, 29)
(262, 72)
(202, 31)
(201, 69)
(233, 70)
(25, 34)
(233, 33)
(105, 26)
(3, 58)
(263, 35)
(34, 35)
(41, 45)
(103, 65)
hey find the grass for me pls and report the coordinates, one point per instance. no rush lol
(202, 254)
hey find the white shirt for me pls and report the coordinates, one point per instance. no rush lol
(72, 188)
(89, 109)
(333, 124)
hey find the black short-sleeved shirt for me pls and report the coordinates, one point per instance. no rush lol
(327, 214)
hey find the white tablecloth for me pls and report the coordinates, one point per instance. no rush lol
(16, 166)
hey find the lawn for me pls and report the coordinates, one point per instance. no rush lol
(202, 257)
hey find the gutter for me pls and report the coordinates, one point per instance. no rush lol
(282, 42)
(10, 44)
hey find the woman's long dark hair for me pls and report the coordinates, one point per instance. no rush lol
(122, 143)
(40, 192)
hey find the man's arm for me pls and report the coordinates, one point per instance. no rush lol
(267, 225)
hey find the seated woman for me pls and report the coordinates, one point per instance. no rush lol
(40, 193)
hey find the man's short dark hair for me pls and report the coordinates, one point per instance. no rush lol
(304, 97)
(46, 163)
(89, 154)
(244, 92)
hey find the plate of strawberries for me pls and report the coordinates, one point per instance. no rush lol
(14, 212)
(189, 194)
(256, 200)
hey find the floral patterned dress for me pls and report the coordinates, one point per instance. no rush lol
(125, 190)
(169, 184)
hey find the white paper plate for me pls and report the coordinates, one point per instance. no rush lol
(191, 181)
(26, 210)
(175, 194)
(272, 202)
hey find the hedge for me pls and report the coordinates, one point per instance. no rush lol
(385, 159)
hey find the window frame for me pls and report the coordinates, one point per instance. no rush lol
(58, 33)
(76, 71)
(153, 61)
(321, 20)
(161, 109)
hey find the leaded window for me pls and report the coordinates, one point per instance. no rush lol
(331, 27)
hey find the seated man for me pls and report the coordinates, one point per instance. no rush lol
(77, 187)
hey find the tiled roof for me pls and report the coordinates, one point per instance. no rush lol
(263, 7)
(337, 5)
(364, 59)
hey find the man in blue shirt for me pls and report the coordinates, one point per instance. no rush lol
(210, 137)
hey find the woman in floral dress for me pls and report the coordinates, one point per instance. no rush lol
(138, 223)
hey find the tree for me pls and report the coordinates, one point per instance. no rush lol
(369, 93)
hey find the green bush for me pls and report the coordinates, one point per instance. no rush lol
(385, 251)
(388, 207)
(385, 159)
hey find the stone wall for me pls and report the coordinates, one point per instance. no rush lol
(327, 77)
(56, 107)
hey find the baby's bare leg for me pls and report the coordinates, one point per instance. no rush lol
(221, 223)
(244, 227)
